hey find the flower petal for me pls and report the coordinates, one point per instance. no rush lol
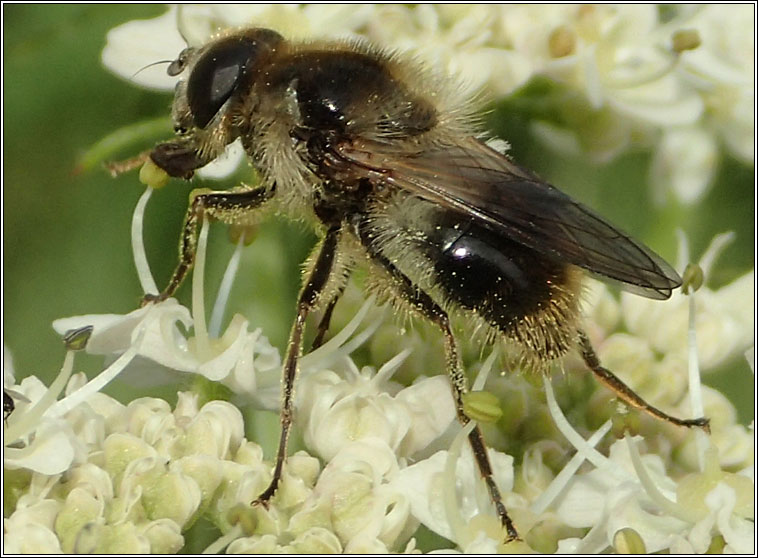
(133, 46)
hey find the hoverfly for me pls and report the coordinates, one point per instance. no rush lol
(383, 158)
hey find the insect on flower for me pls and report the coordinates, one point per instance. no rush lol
(386, 162)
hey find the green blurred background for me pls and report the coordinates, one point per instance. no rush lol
(66, 234)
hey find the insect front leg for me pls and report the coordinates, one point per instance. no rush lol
(424, 305)
(309, 297)
(228, 207)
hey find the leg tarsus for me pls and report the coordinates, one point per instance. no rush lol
(150, 298)
(627, 394)
(476, 440)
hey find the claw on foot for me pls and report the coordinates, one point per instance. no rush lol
(702, 422)
(150, 298)
(265, 497)
(259, 502)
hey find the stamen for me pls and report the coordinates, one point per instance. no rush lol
(682, 250)
(692, 278)
(706, 263)
(717, 245)
(449, 496)
(348, 348)
(152, 175)
(561, 41)
(74, 340)
(28, 421)
(226, 288)
(100, 381)
(222, 542)
(138, 246)
(695, 387)
(325, 352)
(561, 480)
(77, 339)
(668, 506)
(388, 368)
(575, 439)
(685, 39)
(198, 298)
(480, 405)
(646, 78)
(484, 371)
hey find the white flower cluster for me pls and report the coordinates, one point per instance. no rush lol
(88, 474)
(677, 78)
(94, 475)
(85, 473)
(143, 475)
(654, 358)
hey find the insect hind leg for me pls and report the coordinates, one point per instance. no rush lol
(423, 304)
(627, 394)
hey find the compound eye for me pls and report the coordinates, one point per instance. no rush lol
(215, 77)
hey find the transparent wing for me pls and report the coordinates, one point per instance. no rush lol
(476, 180)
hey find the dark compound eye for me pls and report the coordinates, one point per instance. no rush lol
(215, 77)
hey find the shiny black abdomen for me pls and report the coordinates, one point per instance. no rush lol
(484, 271)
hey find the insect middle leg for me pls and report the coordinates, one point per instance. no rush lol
(427, 308)
(229, 207)
(309, 298)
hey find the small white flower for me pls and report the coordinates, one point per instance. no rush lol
(660, 510)
(460, 41)
(31, 529)
(36, 437)
(336, 412)
(163, 535)
(366, 509)
(721, 68)
(447, 495)
(242, 360)
(132, 50)
(724, 318)
(51, 451)
(685, 160)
